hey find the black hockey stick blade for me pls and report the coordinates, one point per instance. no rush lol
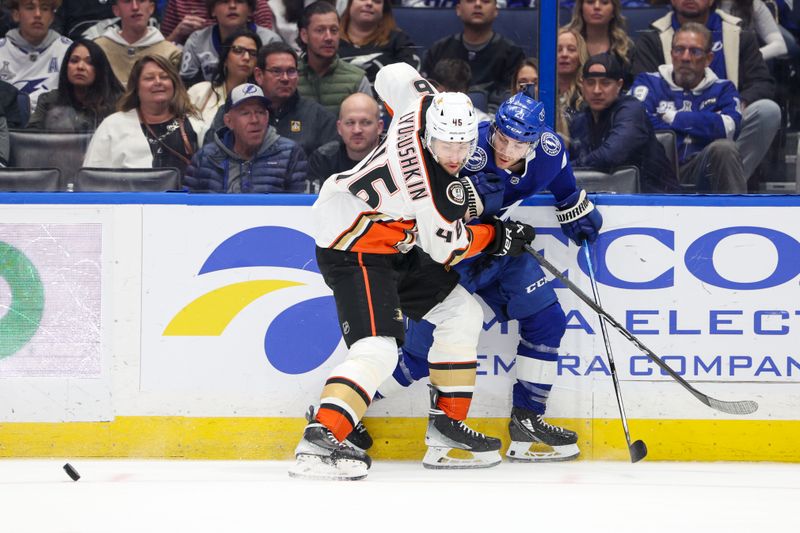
(742, 407)
(638, 451)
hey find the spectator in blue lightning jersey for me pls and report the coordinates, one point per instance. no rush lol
(517, 156)
(703, 110)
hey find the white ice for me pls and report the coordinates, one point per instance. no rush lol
(240, 496)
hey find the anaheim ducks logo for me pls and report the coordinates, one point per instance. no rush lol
(456, 193)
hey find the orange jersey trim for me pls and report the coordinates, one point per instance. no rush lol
(369, 234)
(369, 294)
(482, 236)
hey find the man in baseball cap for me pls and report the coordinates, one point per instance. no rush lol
(613, 130)
(247, 155)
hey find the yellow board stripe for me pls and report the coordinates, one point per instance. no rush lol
(395, 438)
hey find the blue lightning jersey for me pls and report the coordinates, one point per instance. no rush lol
(546, 168)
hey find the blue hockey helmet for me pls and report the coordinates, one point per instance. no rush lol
(521, 118)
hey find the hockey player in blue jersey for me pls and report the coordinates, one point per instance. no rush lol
(517, 156)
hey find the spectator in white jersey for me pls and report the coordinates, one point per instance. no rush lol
(31, 54)
(237, 62)
(134, 38)
(202, 50)
(491, 56)
(360, 127)
(371, 39)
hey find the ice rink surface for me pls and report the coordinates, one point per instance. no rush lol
(241, 496)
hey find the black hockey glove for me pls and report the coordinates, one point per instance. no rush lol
(510, 238)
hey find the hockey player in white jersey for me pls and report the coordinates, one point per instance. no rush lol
(31, 55)
(387, 232)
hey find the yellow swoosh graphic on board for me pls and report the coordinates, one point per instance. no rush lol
(211, 313)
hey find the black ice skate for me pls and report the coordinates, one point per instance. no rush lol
(446, 434)
(320, 456)
(528, 428)
(359, 438)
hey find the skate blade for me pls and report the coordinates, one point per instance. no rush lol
(439, 458)
(534, 452)
(323, 468)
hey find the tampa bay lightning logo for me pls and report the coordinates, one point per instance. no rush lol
(550, 144)
(477, 160)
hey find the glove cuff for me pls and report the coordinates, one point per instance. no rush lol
(581, 208)
(474, 203)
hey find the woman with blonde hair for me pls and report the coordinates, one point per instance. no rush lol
(603, 27)
(370, 38)
(571, 54)
(155, 126)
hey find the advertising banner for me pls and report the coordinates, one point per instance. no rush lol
(50, 294)
(237, 318)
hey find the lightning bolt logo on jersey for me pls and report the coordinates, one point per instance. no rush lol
(32, 71)
(545, 168)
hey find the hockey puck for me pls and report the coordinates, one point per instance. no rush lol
(71, 472)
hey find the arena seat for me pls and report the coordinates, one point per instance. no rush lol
(669, 141)
(33, 148)
(30, 179)
(95, 179)
(624, 180)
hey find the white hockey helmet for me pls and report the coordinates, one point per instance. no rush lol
(451, 118)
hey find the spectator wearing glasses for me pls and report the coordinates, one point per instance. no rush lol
(295, 117)
(236, 65)
(247, 155)
(613, 130)
(323, 75)
(602, 25)
(360, 127)
(202, 50)
(156, 125)
(183, 17)
(31, 55)
(134, 38)
(704, 111)
(371, 39)
(87, 92)
(736, 57)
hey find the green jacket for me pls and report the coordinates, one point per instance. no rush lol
(339, 82)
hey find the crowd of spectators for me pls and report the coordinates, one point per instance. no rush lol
(276, 95)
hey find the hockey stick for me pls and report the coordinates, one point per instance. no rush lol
(638, 449)
(743, 407)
